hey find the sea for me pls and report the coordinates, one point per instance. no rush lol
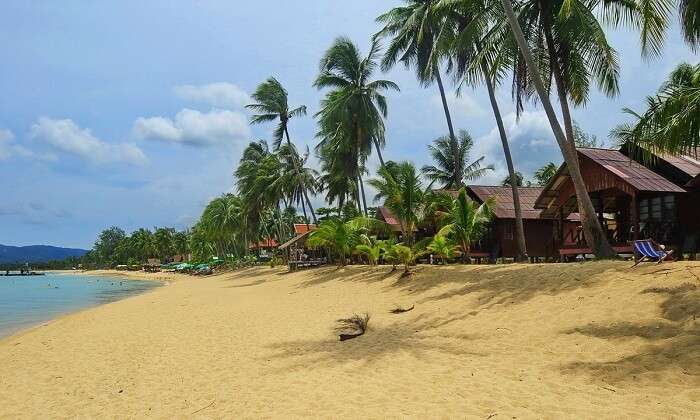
(26, 301)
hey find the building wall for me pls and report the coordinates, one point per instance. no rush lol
(539, 238)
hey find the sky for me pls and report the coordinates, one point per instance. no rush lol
(131, 113)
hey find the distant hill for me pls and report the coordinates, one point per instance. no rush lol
(36, 253)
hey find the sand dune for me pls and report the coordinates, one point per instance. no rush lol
(509, 341)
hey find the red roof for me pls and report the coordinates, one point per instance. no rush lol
(300, 228)
(386, 215)
(505, 207)
(634, 174)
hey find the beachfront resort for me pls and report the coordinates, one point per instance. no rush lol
(427, 209)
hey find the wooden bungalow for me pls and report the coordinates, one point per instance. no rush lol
(500, 240)
(632, 200)
(297, 253)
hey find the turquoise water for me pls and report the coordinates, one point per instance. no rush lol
(30, 300)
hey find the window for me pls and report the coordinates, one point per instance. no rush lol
(508, 229)
(669, 210)
(643, 210)
(658, 209)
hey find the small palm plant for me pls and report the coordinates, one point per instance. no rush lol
(467, 221)
(369, 247)
(408, 255)
(343, 237)
(443, 248)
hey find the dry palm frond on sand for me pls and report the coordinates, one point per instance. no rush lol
(352, 327)
(400, 310)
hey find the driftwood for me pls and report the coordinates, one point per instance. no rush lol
(400, 310)
(352, 327)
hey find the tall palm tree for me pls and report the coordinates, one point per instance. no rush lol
(466, 221)
(399, 186)
(671, 122)
(593, 232)
(452, 168)
(272, 104)
(414, 28)
(462, 38)
(221, 220)
(291, 181)
(351, 118)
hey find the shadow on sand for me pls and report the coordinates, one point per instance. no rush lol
(416, 336)
(674, 344)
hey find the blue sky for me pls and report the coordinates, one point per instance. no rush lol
(130, 113)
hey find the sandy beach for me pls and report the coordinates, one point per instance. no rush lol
(508, 341)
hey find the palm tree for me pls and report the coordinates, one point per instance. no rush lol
(518, 180)
(163, 242)
(466, 25)
(442, 247)
(545, 173)
(414, 29)
(351, 118)
(400, 187)
(671, 122)
(370, 247)
(593, 232)
(342, 237)
(221, 220)
(291, 181)
(272, 104)
(451, 157)
(466, 221)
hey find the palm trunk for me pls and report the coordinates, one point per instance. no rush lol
(445, 108)
(591, 227)
(303, 209)
(301, 180)
(362, 189)
(519, 229)
(357, 196)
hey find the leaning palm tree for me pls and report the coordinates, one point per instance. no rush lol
(466, 221)
(290, 181)
(272, 104)
(414, 29)
(452, 168)
(593, 232)
(351, 118)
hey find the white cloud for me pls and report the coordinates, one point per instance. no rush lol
(10, 149)
(460, 106)
(219, 95)
(194, 128)
(68, 137)
(531, 142)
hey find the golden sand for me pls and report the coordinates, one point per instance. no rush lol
(585, 340)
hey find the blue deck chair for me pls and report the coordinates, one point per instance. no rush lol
(648, 250)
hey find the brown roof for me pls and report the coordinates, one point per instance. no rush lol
(300, 228)
(687, 164)
(386, 215)
(294, 240)
(505, 208)
(634, 174)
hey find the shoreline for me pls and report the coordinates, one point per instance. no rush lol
(164, 277)
(70, 312)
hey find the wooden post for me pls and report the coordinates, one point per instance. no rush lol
(634, 218)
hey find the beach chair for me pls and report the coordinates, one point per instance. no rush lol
(649, 250)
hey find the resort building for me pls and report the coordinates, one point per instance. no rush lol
(636, 195)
